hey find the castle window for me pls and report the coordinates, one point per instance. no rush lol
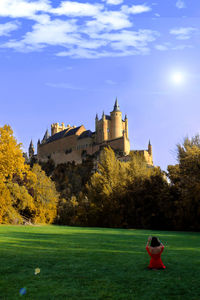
(68, 151)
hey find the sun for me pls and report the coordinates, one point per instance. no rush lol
(178, 78)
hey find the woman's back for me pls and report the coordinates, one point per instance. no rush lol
(155, 253)
(155, 250)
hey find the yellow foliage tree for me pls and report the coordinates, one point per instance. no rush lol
(24, 193)
(11, 157)
(5, 200)
(45, 196)
(110, 174)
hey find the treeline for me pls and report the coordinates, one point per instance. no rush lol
(117, 194)
(130, 194)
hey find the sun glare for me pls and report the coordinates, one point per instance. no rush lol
(177, 78)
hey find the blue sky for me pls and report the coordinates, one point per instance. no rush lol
(65, 61)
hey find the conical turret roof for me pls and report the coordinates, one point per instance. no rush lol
(116, 106)
(31, 145)
(46, 136)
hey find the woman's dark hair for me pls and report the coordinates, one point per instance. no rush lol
(155, 242)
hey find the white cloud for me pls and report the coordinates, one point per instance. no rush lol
(180, 4)
(114, 2)
(56, 32)
(124, 43)
(161, 47)
(78, 9)
(21, 46)
(100, 33)
(79, 53)
(136, 9)
(22, 8)
(169, 46)
(136, 39)
(110, 82)
(183, 33)
(41, 18)
(6, 28)
(63, 85)
(108, 21)
(182, 47)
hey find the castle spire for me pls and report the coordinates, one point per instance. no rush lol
(97, 117)
(150, 148)
(116, 106)
(125, 116)
(103, 115)
(31, 149)
(46, 136)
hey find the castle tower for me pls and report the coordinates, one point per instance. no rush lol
(116, 121)
(126, 126)
(31, 150)
(96, 122)
(150, 148)
(150, 152)
(104, 128)
(96, 128)
(54, 128)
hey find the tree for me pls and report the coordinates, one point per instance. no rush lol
(24, 193)
(102, 189)
(185, 180)
(5, 202)
(44, 194)
(11, 156)
(115, 190)
(22, 201)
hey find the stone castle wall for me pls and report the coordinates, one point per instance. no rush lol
(64, 146)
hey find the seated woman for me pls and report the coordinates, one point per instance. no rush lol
(155, 251)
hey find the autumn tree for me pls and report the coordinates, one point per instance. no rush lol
(24, 193)
(44, 195)
(11, 158)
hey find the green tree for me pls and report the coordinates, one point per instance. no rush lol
(185, 180)
(103, 189)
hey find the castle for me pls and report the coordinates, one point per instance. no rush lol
(71, 143)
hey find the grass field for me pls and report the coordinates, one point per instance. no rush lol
(95, 263)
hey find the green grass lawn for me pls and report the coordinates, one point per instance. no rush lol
(96, 263)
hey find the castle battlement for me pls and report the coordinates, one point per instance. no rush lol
(55, 127)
